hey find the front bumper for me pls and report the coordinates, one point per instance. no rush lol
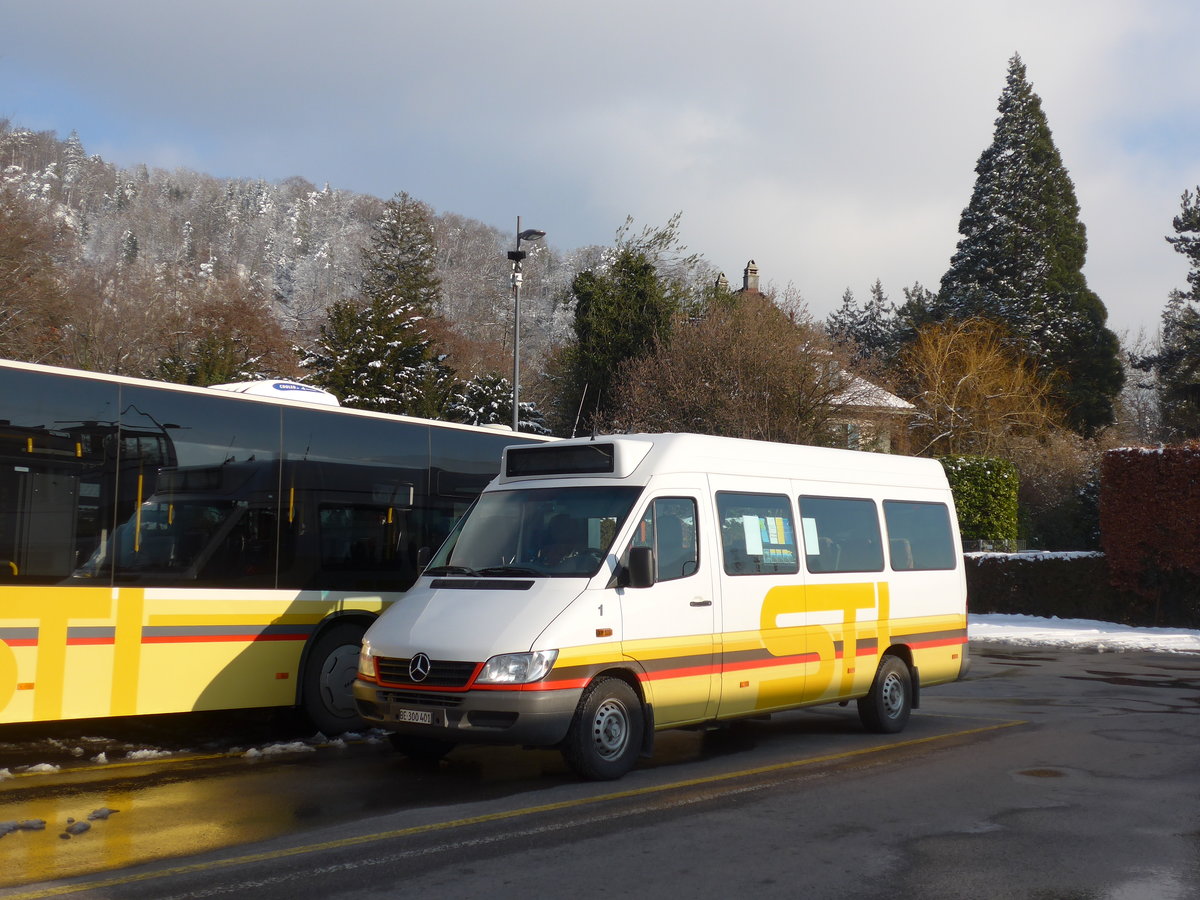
(529, 718)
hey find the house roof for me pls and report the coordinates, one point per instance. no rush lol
(862, 394)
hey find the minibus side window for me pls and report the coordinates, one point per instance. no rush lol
(919, 536)
(758, 536)
(841, 535)
(669, 526)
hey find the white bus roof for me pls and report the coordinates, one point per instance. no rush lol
(280, 397)
(292, 390)
(637, 457)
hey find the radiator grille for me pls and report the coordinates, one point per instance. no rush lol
(442, 673)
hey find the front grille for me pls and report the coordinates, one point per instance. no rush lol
(443, 673)
(420, 698)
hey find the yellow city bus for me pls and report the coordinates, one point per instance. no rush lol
(166, 548)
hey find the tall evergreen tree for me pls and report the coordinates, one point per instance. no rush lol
(376, 355)
(374, 352)
(845, 322)
(1177, 361)
(875, 333)
(401, 260)
(1020, 260)
(1187, 239)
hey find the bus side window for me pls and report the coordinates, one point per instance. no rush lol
(757, 535)
(919, 535)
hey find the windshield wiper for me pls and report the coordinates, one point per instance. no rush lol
(510, 570)
(451, 570)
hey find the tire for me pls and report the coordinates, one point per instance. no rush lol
(605, 736)
(326, 694)
(886, 708)
(420, 749)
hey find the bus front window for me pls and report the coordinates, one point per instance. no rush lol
(554, 532)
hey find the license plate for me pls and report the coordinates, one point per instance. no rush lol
(416, 716)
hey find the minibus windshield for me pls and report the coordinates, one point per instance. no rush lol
(548, 532)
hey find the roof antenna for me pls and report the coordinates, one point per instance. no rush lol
(596, 416)
(579, 412)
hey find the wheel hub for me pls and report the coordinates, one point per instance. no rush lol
(610, 729)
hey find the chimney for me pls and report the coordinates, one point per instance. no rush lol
(750, 278)
(722, 283)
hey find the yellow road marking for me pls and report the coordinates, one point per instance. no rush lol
(342, 843)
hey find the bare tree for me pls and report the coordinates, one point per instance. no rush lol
(744, 369)
(974, 394)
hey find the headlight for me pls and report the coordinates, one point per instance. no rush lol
(366, 662)
(517, 668)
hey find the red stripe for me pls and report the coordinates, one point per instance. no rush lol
(941, 642)
(771, 663)
(218, 638)
(566, 684)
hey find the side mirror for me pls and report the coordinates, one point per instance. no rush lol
(641, 567)
(423, 556)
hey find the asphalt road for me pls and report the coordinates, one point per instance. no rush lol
(1053, 775)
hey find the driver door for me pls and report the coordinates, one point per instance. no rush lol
(669, 629)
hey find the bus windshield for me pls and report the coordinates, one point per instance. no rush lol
(550, 532)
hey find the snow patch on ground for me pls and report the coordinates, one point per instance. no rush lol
(277, 749)
(147, 754)
(1035, 631)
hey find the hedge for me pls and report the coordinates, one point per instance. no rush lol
(1073, 586)
(985, 496)
(1150, 518)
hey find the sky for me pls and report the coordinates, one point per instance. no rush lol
(833, 143)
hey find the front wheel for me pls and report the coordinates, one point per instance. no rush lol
(327, 690)
(605, 736)
(886, 708)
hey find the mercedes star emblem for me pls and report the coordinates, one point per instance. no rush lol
(418, 667)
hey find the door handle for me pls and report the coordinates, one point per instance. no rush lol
(701, 603)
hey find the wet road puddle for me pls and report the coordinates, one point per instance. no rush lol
(182, 806)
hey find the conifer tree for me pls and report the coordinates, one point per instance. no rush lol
(487, 400)
(1021, 257)
(1177, 362)
(375, 355)
(875, 332)
(401, 260)
(845, 322)
(374, 352)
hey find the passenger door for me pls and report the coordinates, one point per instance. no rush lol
(669, 628)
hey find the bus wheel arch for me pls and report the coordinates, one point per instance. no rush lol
(327, 672)
(887, 706)
(605, 737)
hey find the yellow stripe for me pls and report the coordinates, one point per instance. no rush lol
(379, 837)
(181, 620)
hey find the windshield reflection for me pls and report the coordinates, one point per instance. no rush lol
(547, 532)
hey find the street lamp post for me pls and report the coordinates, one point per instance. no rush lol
(529, 234)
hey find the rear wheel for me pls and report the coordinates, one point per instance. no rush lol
(605, 736)
(327, 695)
(886, 708)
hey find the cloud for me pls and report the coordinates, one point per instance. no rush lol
(834, 143)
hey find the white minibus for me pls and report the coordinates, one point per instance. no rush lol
(604, 588)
